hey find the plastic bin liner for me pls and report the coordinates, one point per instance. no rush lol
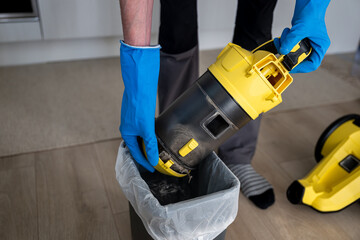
(203, 217)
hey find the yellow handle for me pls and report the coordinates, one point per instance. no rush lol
(298, 54)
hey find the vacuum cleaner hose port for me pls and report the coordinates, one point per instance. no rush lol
(295, 193)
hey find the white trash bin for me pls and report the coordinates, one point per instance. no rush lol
(203, 217)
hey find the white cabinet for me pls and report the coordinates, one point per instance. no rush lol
(62, 19)
(19, 31)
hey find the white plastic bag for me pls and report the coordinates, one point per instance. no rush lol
(202, 217)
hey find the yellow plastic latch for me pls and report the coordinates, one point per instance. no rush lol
(188, 147)
(165, 168)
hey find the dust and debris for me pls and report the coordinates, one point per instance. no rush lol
(168, 189)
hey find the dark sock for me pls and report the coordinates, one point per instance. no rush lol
(254, 186)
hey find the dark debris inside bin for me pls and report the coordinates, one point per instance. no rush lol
(168, 189)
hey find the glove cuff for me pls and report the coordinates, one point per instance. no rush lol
(139, 47)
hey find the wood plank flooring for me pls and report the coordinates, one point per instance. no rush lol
(72, 193)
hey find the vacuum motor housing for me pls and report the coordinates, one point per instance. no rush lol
(238, 87)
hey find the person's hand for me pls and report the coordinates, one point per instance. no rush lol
(308, 22)
(140, 71)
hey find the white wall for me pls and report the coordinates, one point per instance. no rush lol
(343, 23)
(342, 20)
(216, 22)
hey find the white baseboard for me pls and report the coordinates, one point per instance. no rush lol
(32, 52)
(50, 51)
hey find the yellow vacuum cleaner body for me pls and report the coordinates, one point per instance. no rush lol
(334, 183)
(234, 90)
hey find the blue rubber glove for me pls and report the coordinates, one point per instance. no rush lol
(308, 21)
(140, 71)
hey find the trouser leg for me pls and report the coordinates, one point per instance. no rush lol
(253, 22)
(241, 147)
(179, 56)
(252, 28)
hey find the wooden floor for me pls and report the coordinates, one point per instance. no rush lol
(72, 193)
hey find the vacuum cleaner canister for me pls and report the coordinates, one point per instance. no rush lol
(334, 183)
(238, 87)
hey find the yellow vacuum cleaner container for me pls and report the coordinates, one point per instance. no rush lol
(254, 79)
(334, 183)
(238, 87)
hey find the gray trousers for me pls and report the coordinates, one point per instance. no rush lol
(180, 71)
(179, 59)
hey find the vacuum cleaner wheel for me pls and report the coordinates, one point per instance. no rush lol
(329, 130)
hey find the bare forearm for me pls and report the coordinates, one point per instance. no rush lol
(136, 21)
